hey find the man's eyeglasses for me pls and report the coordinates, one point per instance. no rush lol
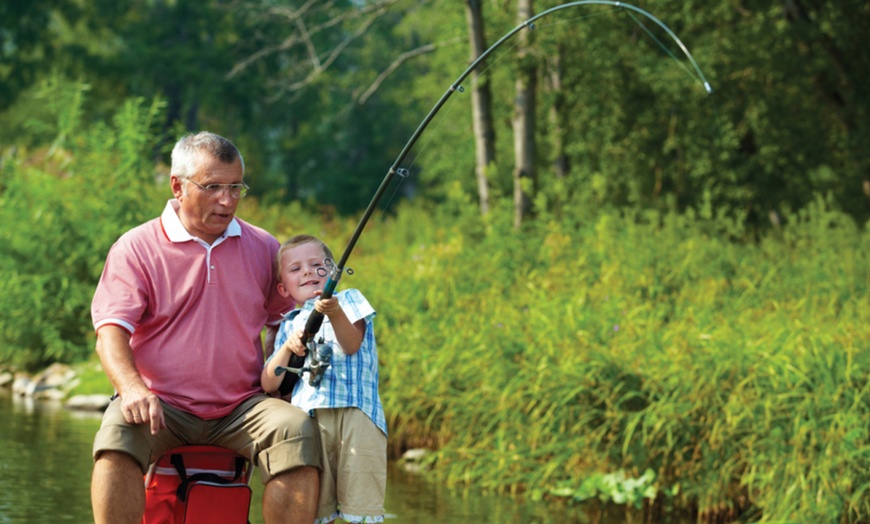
(235, 190)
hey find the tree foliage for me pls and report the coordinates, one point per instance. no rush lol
(322, 95)
(63, 206)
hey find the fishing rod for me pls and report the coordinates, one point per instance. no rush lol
(296, 365)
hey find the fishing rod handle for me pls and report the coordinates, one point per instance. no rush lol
(315, 320)
(312, 326)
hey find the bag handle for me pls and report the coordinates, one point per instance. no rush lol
(177, 461)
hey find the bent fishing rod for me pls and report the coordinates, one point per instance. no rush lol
(334, 273)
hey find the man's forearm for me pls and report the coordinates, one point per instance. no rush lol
(116, 357)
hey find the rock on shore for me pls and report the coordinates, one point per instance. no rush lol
(53, 383)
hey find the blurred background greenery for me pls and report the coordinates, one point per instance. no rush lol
(688, 294)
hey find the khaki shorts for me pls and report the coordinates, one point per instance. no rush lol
(273, 434)
(354, 476)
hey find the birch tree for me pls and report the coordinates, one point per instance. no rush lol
(524, 120)
(481, 105)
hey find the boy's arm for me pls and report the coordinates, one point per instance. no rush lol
(268, 380)
(349, 336)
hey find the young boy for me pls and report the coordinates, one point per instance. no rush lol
(346, 404)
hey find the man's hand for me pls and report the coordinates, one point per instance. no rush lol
(140, 406)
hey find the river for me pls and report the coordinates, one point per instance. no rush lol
(45, 467)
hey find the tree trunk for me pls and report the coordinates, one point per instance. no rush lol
(524, 121)
(558, 115)
(481, 105)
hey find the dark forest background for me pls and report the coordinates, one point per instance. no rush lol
(321, 96)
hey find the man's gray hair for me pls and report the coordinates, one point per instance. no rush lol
(189, 147)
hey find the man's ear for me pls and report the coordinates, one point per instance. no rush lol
(176, 184)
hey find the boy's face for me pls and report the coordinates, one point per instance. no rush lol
(298, 268)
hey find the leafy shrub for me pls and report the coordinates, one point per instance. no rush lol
(62, 207)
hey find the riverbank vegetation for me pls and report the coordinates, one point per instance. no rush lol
(678, 321)
(731, 364)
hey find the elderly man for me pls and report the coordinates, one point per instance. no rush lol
(178, 313)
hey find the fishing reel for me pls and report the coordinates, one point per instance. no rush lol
(321, 358)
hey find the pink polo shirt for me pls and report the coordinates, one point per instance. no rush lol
(194, 311)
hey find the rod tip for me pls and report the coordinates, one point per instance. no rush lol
(708, 88)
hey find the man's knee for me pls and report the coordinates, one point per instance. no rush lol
(117, 490)
(117, 472)
(296, 489)
(291, 441)
(288, 422)
(117, 460)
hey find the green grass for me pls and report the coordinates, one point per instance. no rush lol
(736, 371)
(91, 379)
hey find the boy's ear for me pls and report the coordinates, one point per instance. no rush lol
(283, 290)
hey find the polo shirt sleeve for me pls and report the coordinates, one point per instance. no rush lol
(277, 306)
(120, 298)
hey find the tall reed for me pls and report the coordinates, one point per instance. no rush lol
(737, 371)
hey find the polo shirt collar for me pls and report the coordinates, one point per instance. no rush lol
(175, 230)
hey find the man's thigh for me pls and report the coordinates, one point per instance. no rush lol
(274, 434)
(116, 434)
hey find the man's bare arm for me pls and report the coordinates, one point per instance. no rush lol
(138, 404)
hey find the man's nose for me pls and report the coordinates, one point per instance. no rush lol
(225, 198)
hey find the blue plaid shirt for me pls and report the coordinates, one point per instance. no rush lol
(350, 380)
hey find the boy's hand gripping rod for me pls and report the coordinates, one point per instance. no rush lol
(312, 326)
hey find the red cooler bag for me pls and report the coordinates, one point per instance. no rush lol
(197, 485)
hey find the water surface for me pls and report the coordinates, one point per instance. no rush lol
(45, 469)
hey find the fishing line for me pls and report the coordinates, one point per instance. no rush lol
(506, 53)
(449, 108)
(405, 172)
(403, 175)
(662, 45)
(531, 25)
